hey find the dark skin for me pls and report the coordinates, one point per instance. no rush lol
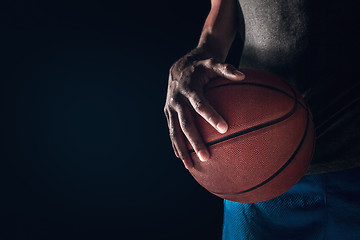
(308, 43)
(191, 73)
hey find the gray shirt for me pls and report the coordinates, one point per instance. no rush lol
(312, 45)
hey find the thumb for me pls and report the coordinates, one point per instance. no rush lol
(230, 72)
(226, 70)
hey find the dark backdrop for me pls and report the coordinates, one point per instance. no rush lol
(85, 152)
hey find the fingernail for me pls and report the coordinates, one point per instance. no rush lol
(203, 155)
(240, 74)
(222, 127)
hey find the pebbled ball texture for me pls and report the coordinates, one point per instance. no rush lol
(269, 143)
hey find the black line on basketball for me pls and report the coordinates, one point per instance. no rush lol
(259, 126)
(278, 171)
(260, 85)
(296, 102)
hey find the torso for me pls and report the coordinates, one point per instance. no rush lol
(311, 44)
(276, 35)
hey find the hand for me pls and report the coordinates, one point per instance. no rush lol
(187, 79)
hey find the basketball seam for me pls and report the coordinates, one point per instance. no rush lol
(259, 126)
(291, 157)
(279, 170)
(260, 85)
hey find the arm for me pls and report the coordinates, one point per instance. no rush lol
(220, 28)
(192, 72)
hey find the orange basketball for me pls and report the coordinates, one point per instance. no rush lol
(269, 143)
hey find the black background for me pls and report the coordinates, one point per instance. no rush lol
(85, 152)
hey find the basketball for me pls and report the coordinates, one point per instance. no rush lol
(269, 143)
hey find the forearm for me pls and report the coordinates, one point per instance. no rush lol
(219, 29)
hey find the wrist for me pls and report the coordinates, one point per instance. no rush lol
(199, 53)
(215, 47)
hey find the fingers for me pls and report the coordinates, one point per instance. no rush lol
(205, 110)
(192, 134)
(168, 122)
(222, 69)
(185, 89)
(178, 140)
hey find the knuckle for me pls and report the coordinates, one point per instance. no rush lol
(185, 86)
(172, 134)
(199, 106)
(175, 100)
(197, 145)
(220, 66)
(186, 125)
(182, 154)
(227, 67)
(207, 62)
(212, 118)
(193, 94)
(189, 90)
(212, 61)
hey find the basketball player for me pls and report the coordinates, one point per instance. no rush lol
(312, 45)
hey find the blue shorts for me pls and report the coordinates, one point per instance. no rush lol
(321, 206)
